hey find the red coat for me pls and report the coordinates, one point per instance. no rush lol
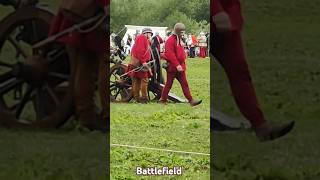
(92, 41)
(232, 8)
(140, 52)
(174, 53)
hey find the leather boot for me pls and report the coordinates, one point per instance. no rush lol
(269, 132)
(195, 102)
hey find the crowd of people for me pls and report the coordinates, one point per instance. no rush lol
(142, 52)
(194, 46)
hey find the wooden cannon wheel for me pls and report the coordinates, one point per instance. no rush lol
(34, 84)
(120, 87)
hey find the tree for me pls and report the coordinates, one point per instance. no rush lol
(194, 14)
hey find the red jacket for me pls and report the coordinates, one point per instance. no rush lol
(92, 41)
(174, 53)
(232, 8)
(140, 52)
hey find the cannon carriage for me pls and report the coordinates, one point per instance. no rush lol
(121, 83)
(35, 81)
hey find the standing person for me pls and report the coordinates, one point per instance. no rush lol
(202, 45)
(176, 57)
(208, 42)
(156, 42)
(87, 53)
(128, 45)
(140, 55)
(189, 42)
(193, 45)
(227, 48)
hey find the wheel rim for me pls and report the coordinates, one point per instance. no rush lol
(31, 87)
(120, 87)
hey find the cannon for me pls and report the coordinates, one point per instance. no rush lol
(121, 83)
(34, 81)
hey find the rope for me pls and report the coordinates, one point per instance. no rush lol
(138, 69)
(121, 30)
(99, 19)
(157, 149)
(99, 22)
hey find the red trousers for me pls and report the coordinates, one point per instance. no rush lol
(203, 52)
(182, 78)
(228, 50)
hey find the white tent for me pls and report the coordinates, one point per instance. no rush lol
(131, 30)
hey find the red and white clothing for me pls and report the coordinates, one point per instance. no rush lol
(232, 8)
(175, 55)
(92, 41)
(140, 53)
(227, 48)
(202, 45)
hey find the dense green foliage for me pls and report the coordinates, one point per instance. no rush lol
(195, 14)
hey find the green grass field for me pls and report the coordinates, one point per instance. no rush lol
(282, 45)
(174, 126)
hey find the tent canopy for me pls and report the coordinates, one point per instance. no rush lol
(131, 30)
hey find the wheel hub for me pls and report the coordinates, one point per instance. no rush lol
(121, 84)
(34, 70)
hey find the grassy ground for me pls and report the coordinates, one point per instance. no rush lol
(64, 154)
(174, 126)
(282, 42)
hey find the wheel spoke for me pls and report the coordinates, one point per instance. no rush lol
(13, 107)
(126, 92)
(40, 104)
(35, 37)
(17, 46)
(113, 88)
(59, 75)
(6, 65)
(55, 54)
(9, 86)
(6, 76)
(24, 101)
(115, 76)
(53, 95)
(2, 103)
(118, 92)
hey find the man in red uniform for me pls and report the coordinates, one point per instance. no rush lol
(176, 57)
(140, 55)
(87, 52)
(227, 48)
